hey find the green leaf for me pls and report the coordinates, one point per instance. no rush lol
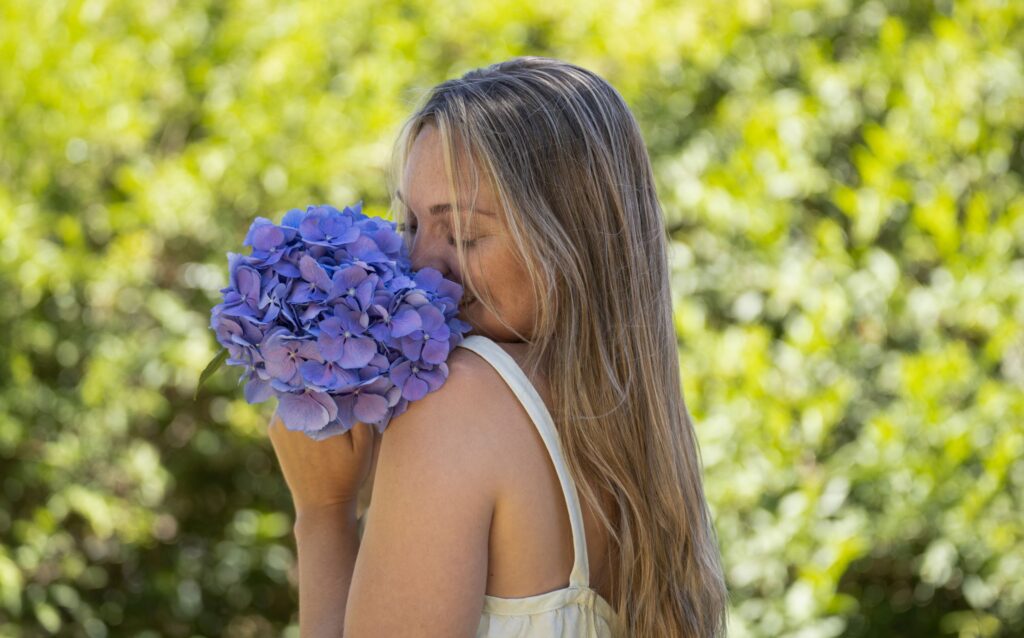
(210, 369)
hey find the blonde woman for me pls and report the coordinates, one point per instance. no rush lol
(552, 486)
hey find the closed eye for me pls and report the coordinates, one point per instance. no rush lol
(466, 243)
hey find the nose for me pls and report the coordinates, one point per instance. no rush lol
(429, 253)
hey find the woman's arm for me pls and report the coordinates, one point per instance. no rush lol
(327, 542)
(422, 564)
(420, 568)
(325, 480)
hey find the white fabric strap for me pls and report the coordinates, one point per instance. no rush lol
(527, 394)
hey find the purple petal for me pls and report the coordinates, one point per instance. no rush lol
(325, 400)
(314, 273)
(401, 372)
(258, 391)
(334, 428)
(364, 291)
(331, 348)
(280, 365)
(435, 351)
(318, 374)
(332, 326)
(309, 351)
(349, 277)
(435, 378)
(432, 318)
(302, 412)
(249, 285)
(309, 227)
(412, 347)
(370, 408)
(267, 237)
(358, 352)
(345, 404)
(405, 322)
(414, 389)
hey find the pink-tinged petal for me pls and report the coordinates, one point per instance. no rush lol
(394, 396)
(309, 351)
(249, 285)
(325, 400)
(314, 273)
(280, 367)
(416, 298)
(267, 237)
(302, 412)
(370, 408)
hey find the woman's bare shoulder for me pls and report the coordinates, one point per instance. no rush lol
(462, 416)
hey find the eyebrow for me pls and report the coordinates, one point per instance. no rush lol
(441, 209)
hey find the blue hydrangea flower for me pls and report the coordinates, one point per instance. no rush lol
(326, 315)
(417, 380)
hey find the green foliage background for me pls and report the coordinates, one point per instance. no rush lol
(842, 180)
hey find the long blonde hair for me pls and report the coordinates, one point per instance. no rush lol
(570, 169)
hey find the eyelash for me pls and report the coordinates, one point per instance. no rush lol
(451, 240)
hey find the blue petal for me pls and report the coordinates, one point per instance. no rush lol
(258, 391)
(293, 218)
(428, 278)
(405, 322)
(358, 352)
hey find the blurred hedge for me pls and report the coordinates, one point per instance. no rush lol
(843, 183)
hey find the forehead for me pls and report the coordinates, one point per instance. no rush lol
(425, 179)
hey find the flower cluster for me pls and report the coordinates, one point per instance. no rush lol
(326, 314)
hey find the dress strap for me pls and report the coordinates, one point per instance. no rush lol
(527, 394)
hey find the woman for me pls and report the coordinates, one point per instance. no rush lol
(551, 486)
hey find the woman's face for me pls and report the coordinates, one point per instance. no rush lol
(490, 256)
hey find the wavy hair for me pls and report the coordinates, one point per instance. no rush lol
(570, 169)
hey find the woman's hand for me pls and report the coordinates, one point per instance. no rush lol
(324, 473)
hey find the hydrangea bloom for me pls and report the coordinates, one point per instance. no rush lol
(326, 315)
